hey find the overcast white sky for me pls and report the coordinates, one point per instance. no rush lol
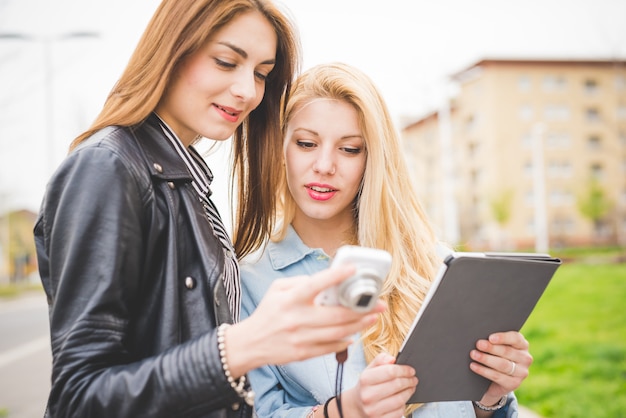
(408, 47)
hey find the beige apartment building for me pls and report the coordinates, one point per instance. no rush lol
(524, 149)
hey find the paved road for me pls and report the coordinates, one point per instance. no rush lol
(25, 359)
(527, 413)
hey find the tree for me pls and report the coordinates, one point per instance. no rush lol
(501, 207)
(594, 204)
(501, 210)
(17, 245)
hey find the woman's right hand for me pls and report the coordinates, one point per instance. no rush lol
(288, 325)
(382, 391)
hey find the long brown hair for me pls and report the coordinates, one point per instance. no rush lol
(177, 29)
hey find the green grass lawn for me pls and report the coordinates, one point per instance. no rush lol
(577, 336)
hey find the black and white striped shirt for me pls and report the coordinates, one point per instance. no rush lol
(202, 178)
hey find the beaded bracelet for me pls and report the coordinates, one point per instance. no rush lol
(495, 407)
(239, 386)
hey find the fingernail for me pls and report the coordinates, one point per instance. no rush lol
(372, 318)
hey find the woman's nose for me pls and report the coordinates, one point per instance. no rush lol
(325, 165)
(244, 86)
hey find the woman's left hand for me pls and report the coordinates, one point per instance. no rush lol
(383, 389)
(504, 359)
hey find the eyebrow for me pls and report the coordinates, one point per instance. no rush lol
(243, 53)
(307, 130)
(311, 131)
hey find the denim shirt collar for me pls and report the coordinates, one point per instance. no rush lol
(291, 250)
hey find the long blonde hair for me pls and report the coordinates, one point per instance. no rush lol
(178, 29)
(388, 214)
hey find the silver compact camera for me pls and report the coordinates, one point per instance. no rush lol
(360, 291)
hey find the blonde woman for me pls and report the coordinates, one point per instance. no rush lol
(141, 278)
(346, 182)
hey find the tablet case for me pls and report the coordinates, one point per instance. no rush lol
(474, 295)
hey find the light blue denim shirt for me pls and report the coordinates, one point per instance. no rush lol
(291, 390)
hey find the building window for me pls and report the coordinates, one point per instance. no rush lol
(621, 112)
(620, 82)
(556, 112)
(475, 177)
(591, 86)
(528, 168)
(525, 112)
(562, 226)
(470, 123)
(560, 198)
(592, 115)
(558, 140)
(559, 169)
(594, 143)
(473, 148)
(523, 83)
(554, 83)
(529, 198)
(597, 171)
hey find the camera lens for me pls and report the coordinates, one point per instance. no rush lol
(359, 291)
(364, 301)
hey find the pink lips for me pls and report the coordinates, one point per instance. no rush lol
(228, 113)
(321, 192)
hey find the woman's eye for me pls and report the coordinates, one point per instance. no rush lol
(352, 150)
(305, 144)
(224, 64)
(260, 76)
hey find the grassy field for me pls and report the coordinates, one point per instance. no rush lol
(577, 336)
(13, 290)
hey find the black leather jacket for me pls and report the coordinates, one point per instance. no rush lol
(132, 273)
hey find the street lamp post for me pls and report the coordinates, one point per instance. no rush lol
(451, 217)
(47, 42)
(542, 241)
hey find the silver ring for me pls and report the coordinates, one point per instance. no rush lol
(513, 366)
